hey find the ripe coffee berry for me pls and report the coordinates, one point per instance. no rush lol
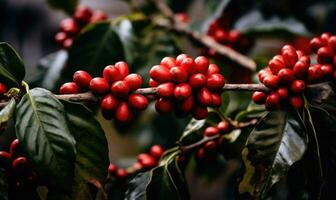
(259, 97)
(99, 85)
(123, 113)
(211, 131)
(166, 90)
(182, 91)
(297, 86)
(112, 169)
(224, 127)
(120, 88)
(134, 81)
(197, 81)
(109, 103)
(137, 101)
(82, 79)
(156, 151)
(3, 89)
(69, 88)
(111, 74)
(163, 105)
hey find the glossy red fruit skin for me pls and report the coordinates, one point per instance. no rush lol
(120, 88)
(122, 173)
(204, 97)
(220, 35)
(112, 169)
(325, 37)
(166, 90)
(99, 85)
(327, 69)
(156, 151)
(215, 82)
(210, 147)
(60, 37)
(213, 69)
(97, 16)
(3, 89)
(263, 74)
(296, 101)
(282, 92)
(168, 62)
(109, 103)
(153, 83)
(179, 74)
(69, 26)
(197, 80)
(189, 65)
(14, 149)
(147, 161)
(211, 131)
(67, 43)
(271, 81)
(332, 42)
(5, 160)
(82, 14)
(275, 66)
(137, 166)
(137, 101)
(315, 73)
(272, 99)
(259, 97)
(82, 79)
(216, 100)
(182, 91)
(224, 127)
(163, 105)
(290, 57)
(20, 165)
(186, 105)
(325, 55)
(300, 69)
(122, 113)
(200, 112)
(160, 74)
(286, 48)
(316, 43)
(285, 75)
(297, 86)
(69, 88)
(202, 64)
(123, 68)
(111, 74)
(134, 81)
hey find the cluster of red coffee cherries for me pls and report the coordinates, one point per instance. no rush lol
(209, 149)
(115, 89)
(70, 27)
(3, 89)
(231, 38)
(186, 85)
(19, 172)
(145, 161)
(286, 76)
(325, 47)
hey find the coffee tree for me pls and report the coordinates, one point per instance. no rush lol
(131, 72)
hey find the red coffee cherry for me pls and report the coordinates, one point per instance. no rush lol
(215, 82)
(296, 101)
(271, 81)
(137, 101)
(67, 43)
(259, 97)
(300, 69)
(325, 55)
(185, 105)
(111, 74)
(60, 37)
(3, 89)
(69, 26)
(220, 35)
(112, 169)
(166, 90)
(14, 149)
(210, 147)
(168, 62)
(325, 37)
(82, 14)
(216, 100)
(276, 65)
(204, 97)
(189, 65)
(5, 160)
(164, 105)
(82, 79)
(134, 81)
(282, 92)
(97, 16)
(224, 127)
(179, 74)
(211, 131)
(109, 103)
(202, 64)
(332, 42)
(233, 36)
(137, 166)
(123, 68)
(327, 69)
(297, 86)
(316, 43)
(156, 151)
(290, 57)
(122, 174)
(122, 113)
(69, 88)
(160, 74)
(153, 83)
(315, 73)
(182, 91)
(180, 58)
(99, 85)
(272, 99)
(263, 74)
(285, 75)
(213, 69)
(197, 81)
(20, 165)
(120, 88)
(200, 112)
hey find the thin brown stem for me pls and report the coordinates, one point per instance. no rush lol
(191, 147)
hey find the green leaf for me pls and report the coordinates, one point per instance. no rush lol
(191, 132)
(12, 70)
(3, 185)
(164, 182)
(276, 142)
(6, 113)
(67, 6)
(92, 150)
(42, 130)
(94, 48)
